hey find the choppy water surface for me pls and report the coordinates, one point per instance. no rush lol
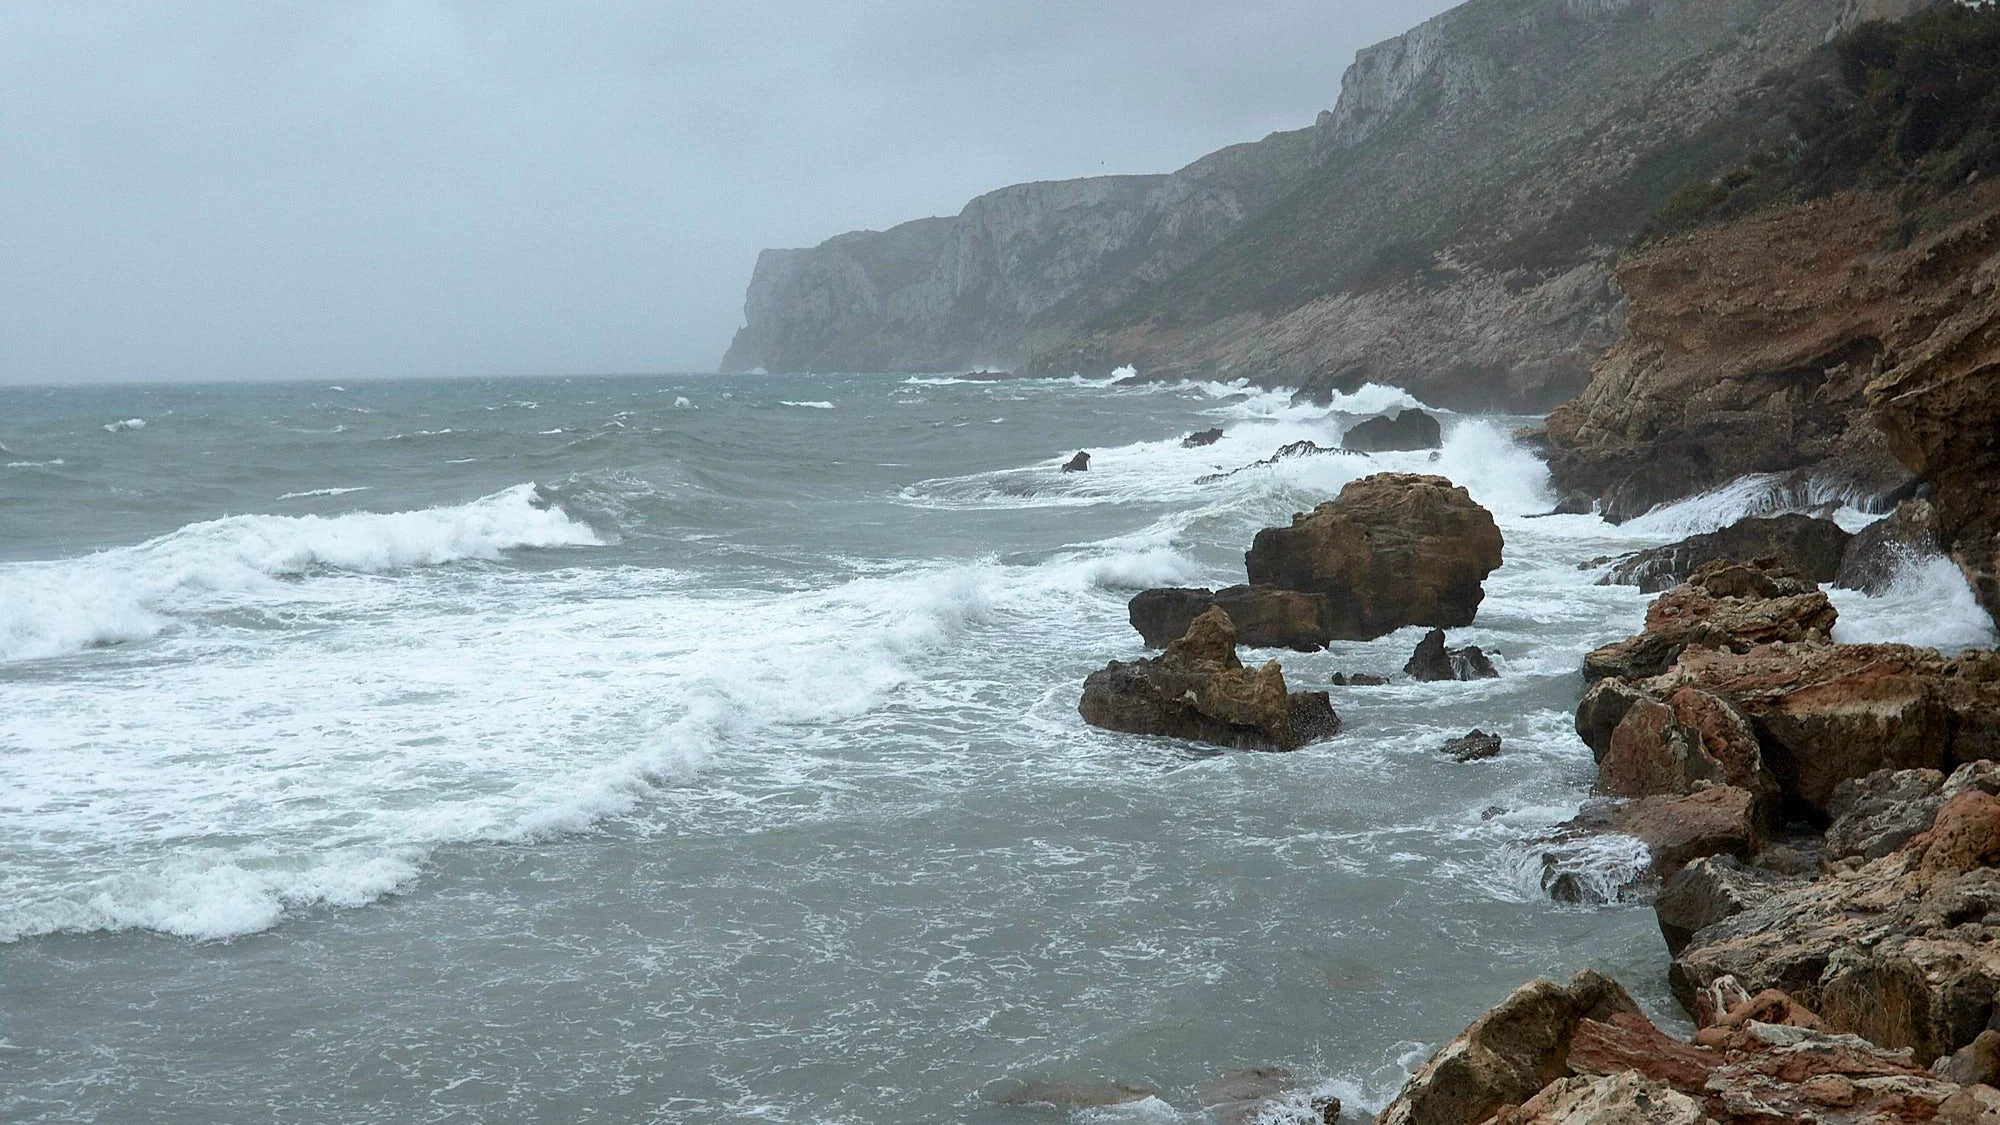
(705, 749)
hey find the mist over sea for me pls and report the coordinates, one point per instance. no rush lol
(705, 749)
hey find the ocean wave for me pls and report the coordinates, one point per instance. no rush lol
(810, 405)
(324, 492)
(34, 464)
(127, 424)
(132, 593)
(1929, 604)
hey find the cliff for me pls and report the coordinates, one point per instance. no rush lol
(1450, 226)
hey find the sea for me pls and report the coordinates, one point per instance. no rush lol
(705, 749)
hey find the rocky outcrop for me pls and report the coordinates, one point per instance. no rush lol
(1708, 890)
(1077, 464)
(1883, 549)
(1474, 747)
(1393, 549)
(1811, 546)
(1264, 616)
(1432, 662)
(1903, 950)
(1199, 690)
(1767, 1059)
(1202, 438)
(1723, 605)
(1403, 430)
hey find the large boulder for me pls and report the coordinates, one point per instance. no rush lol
(1393, 549)
(1883, 549)
(1432, 662)
(1723, 605)
(1508, 1054)
(1199, 690)
(1264, 616)
(1708, 890)
(1904, 950)
(1825, 713)
(1811, 546)
(1405, 430)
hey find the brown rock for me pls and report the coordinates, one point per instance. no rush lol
(1264, 616)
(1627, 1098)
(1199, 690)
(1651, 752)
(1978, 1062)
(1879, 813)
(1719, 820)
(1811, 546)
(1604, 706)
(1393, 549)
(1728, 606)
(1474, 747)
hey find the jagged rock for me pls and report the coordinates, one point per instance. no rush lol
(1433, 662)
(1879, 813)
(1358, 679)
(1677, 829)
(1825, 713)
(1693, 740)
(1391, 550)
(1202, 438)
(1708, 890)
(1723, 605)
(1264, 616)
(1627, 1098)
(1810, 546)
(1904, 950)
(1077, 464)
(1473, 747)
(1199, 690)
(1884, 548)
(1508, 1054)
(1604, 706)
(1288, 452)
(1260, 1093)
(1405, 430)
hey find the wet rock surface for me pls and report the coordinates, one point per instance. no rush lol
(1264, 616)
(1407, 429)
(1808, 545)
(1393, 549)
(1432, 662)
(1882, 550)
(1473, 747)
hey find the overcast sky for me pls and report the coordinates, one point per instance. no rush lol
(262, 189)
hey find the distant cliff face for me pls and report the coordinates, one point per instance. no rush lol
(1450, 226)
(1017, 269)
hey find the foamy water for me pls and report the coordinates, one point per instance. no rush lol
(582, 753)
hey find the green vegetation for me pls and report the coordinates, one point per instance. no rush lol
(1913, 105)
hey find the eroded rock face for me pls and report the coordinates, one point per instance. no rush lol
(1391, 550)
(1264, 616)
(1199, 690)
(1724, 605)
(1810, 546)
(1904, 951)
(1405, 430)
(1879, 813)
(1708, 890)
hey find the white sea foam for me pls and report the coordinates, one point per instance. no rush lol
(33, 464)
(811, 405)
(131, 593)
(324, 492)
(1930, 604)
(127, 424)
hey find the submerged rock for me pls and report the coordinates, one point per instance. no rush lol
(1262, 1093)
(1264, 616)
(1199, 690)
(1433, 662)
(1473, 747)
(1393, 549)
(1065, 1093)
(1358, 679)
(1202, 438)
(1811, 546)
(1883, 549)
(1407, 429)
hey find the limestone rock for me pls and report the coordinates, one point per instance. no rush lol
(1199, 690)
(1391, 550)
(1264, 616)
(1433, 662)
(1405, 430)
(1879, 813)
(1884, 548)
(1708, 890)
(1628, 1098)
(1723, 605)
(1811, 546)
(1605, 706)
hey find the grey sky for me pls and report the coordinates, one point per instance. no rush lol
(263, 189)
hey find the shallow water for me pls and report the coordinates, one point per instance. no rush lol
(705, 749)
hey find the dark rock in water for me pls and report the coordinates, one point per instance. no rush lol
(1260, 1093)
(987, 376)
(1078, 464)
(1708, 890)
(1065, 1093)
(1202, 438)
(1199, 690)
(1433, 662)
(1405, 430)
(1358, 679)
(1811, 546)
(1391, 550)
(1285, 453)
(1474, 747)
(1879, 553)
(1264, 616)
